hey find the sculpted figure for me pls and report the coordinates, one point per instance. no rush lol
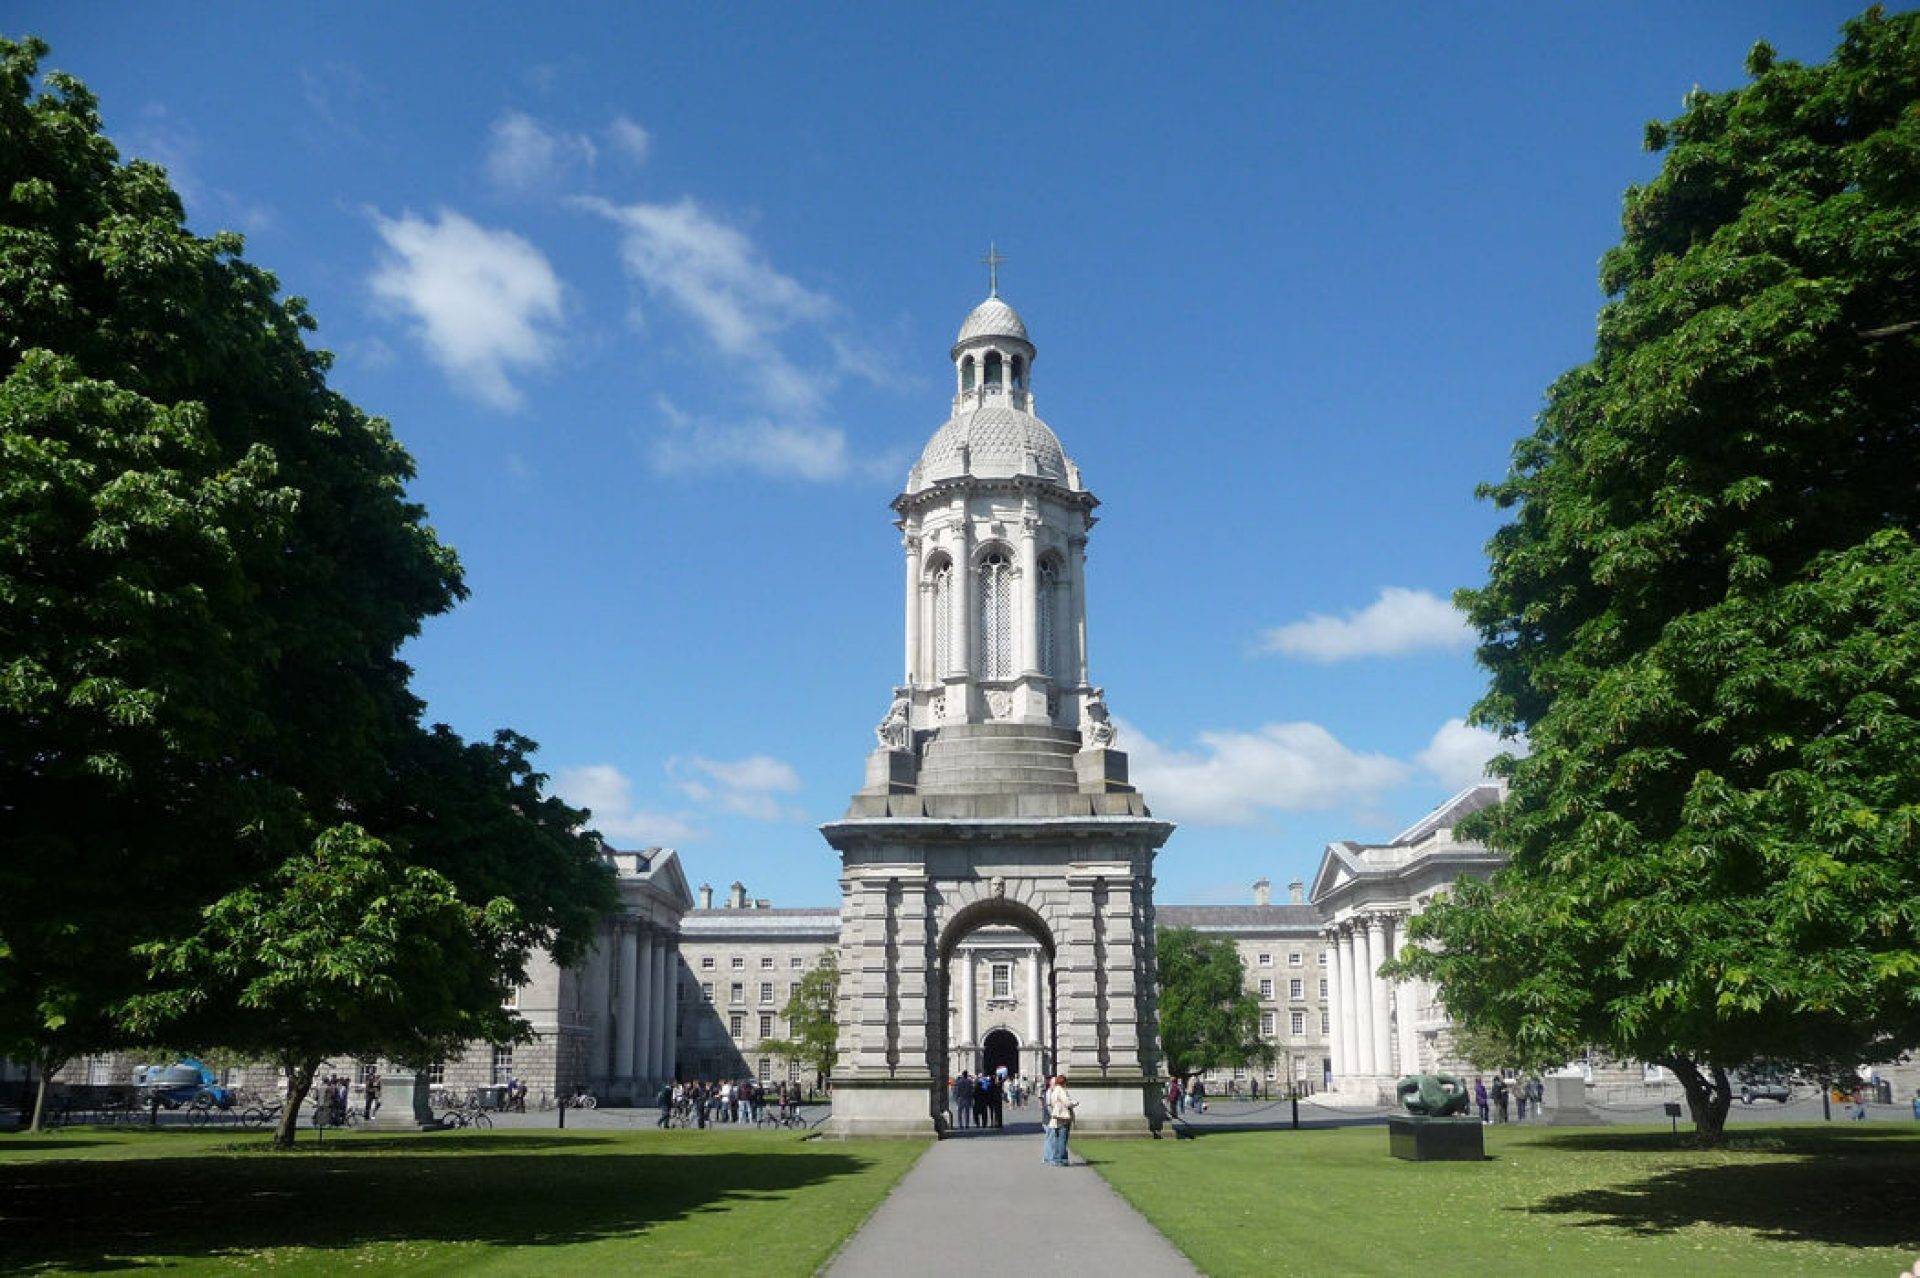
(1096, 728)
(892, 732)
(1435, 1095)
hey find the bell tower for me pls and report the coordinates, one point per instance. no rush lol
(995, 796)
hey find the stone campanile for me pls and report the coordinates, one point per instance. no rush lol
(995, 796)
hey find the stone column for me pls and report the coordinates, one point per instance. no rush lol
(911, 541)
(662, 1001)
(1363, 998)
(965, 605)
(643, 1009)
(966, 982)
(1027, 632)
(673, 1016)
(1336, 1009)
(1349, 1026)
(1377, 953)
(1034, 1032)
(1406, 1002)
(1077, 631)
(627, 1003)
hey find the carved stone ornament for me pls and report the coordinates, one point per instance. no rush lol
(999, 703)
(1096, 728)
(893, 732)
(999, 888)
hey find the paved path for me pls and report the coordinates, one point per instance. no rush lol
(974, 1197)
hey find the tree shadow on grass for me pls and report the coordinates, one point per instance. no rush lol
(82, 1216)
(1847, 1188)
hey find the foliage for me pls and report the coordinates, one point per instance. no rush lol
(1209, 1019)
(813, 1019)
(208, 564)
(1705, 614)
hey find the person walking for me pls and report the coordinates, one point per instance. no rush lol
(1480, 1096)
(371, 1097)
(963, 1100)
(1174, 1097)
(1500, 1092)
(1060, 1107)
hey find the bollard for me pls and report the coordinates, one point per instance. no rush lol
(1826, 1103)
(563, 1113)
(1296, 1111)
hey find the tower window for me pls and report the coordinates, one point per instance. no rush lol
(1044, 602)
(966, 373)
(994, 368)
(942, 617)
(1019, 373)
(996, 616)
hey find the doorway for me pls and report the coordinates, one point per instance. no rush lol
(1000, 1050)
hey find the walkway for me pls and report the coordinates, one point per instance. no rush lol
(971, 1196)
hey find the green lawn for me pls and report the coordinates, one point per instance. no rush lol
(513, 1202)
(1783, 1200)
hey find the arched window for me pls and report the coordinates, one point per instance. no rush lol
(996, 616)
(993, 368)
(1045, 600)
(1019, 373)
(966, 373)
(942, 617)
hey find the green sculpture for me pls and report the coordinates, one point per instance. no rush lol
(1433, 1095)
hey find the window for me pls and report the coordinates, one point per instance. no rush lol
(736, 993)
(436, 1074)
(942, 617)
(766, 960)
(1266, 1024)
(1002, 985)
(1273, 1072)
(706, 962)
(1293, 959)
(766, 1071)
(995, 658)
(796, 962)
(513, 1000)
(766, 1025)
(1323, 988)
(793, 990)
(738, 962)
(1323, 958)
(1044, 605)
(993, 368)
(766, 991)
(706, 991)
(1299, 1022)
(367, 1070)
(502, 1063)
(1323, 1022)
(1266, 987)
(1266, 960)
(1296, 988)
(736, 1023)
(1239, 1071)
(966, 373)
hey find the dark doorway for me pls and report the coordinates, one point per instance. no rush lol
(1000, 1048)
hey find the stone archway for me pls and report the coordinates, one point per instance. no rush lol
(999, 1050)
(914, 886)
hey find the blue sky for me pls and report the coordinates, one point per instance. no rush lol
(660, 299)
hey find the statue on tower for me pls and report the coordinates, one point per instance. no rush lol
(893, 732)
(1096, 728)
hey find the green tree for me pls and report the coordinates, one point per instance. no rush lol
(208, 564)
(1209, 1019)
(1705, 613)
(813, 1019)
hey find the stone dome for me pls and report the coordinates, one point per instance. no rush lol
(992, 318)
(998, 441)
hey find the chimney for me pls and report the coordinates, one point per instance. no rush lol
(1297, 892)
(737, 896)
(706, 896)
(1261, 893)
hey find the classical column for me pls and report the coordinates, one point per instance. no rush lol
(643, 1012)
(662, 980)
(911, 541)
(626, 1003)
(1027, 636)
(1377, 953)
(1349, 1027)
(1033, 999)
(1363, 997)
(1406, 1002)
(1336, 1009)
(965, 592)
(1077, 632)
(673, 1017)
(966, 999)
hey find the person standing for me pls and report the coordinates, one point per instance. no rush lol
(1500, 1091)
(1480, 1096)
(371, 1096)
(1174, 1096)
(963, 1100)
(1060, 1107)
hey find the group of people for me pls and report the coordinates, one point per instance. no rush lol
(1496, 1103)
(980, 1100)
(1181, 1096)
(330, 1097)
(701, 1102)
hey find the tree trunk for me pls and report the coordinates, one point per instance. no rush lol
(1707, 1099)
(48, 1067)
(299, 1082)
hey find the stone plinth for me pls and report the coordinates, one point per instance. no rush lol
(890, 772)
(1100, 771)
(1563, 1101)
(1420, 1139)
(1114, 1107)
(405, 1104)
(889, 1110)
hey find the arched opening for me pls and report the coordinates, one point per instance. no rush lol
(1000, 1050)
(1019, 373)
(940, 602)
(994, 368)
(994, 642)
(966, 373)
(995, 970)
(1046, 603)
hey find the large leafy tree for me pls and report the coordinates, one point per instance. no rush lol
(1705, 613)
(208, 563)
(1209, 1019)
(813, 1019)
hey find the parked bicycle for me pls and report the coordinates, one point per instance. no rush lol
(582, 1099)
(466, 1116)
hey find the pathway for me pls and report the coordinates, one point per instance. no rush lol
(974, 1197)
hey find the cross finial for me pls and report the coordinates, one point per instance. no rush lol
(993, 260)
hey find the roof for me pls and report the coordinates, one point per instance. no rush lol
(993, 442)
(992, 318)
(1241, 918)
(791, 924)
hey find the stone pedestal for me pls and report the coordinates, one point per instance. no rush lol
(1563, 1101)
(890, 1110)
(1115, 1107)
(891, 772)
(405, 1104)
(1099, 770)
(1420, 1139)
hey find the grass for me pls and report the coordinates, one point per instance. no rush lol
(515, 1202)
(1782, 1200)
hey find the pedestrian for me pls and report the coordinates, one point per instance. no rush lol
(980, 1085)
(1500, 1098)
(1174, 1096)
(1480, 1096)
(1197, 1094)
(963, 1100)
(665, 1101)
(1060, 1107)
(371, 1100)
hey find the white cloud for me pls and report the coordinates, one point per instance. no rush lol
(1399, 621)
(608, 794)
(779, 450)
(748, 787)
(525, 155)
(1235, 776)
(1457, 756)
(482, 302)
(630, 139)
